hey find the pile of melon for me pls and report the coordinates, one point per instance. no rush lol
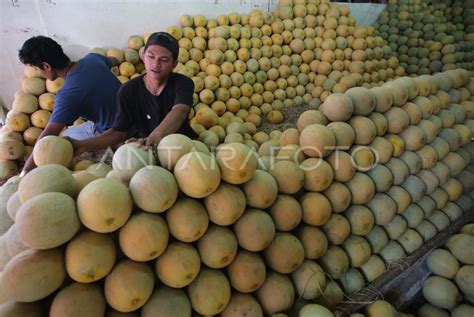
(30, 113)
(429, 36)
(26, 120)
(451, 287)
(310, 215)
(247, 68)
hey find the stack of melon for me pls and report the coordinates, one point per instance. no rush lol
(451, 287)
(428, 36)
(248, 66)
(30, 113)
(250, 227)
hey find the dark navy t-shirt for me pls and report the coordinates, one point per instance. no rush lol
(140, 112)
(90, 92)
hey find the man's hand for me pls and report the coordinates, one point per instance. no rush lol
(77, 145)
(150, 142)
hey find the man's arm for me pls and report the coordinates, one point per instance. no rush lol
(52, 128)
(110, 137)
(170, 124)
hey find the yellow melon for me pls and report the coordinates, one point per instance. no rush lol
(187, 220)
(144, 237)
(47, 178)
(128, 159)
(11, 149)
(26, 103)
(53, 86)
(363, 99)
(179, 265)
(338, 107)
(276, 294)
(40, 118)
(242, 305)
(104, 205)
(53, 150)
(310, 117)
(217, 247)
(237, 162)
(246, 272)
(225, 205)
(171, 148)
(33, 85)
(285, 253)
(166, 301)
(13, 309)
(286, 213)
(254, 230)
(80, 299)
(288, 175)
(197, 174)
(128, 286)
(317, 140)
(90, 256)
(17, 121)
(209, 292)
(261, 190)
(37, 217)
(153, 188)
(33, 274)
(335, 262)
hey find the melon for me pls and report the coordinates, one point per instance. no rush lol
(441, 292)
(90, 256)
(276, 294)
(318, 174)
(197, 174)
(104, 205)
(154, 189)
(128, 286)
(78, 299)
(285, 253)
(144, 237)
(246, 272)
(47, 178)
(171, 148)
(53, 150)
(225, 205)
(338, 107)
(237, 162)
(179, 265)
(166, 301)
(33, 274)
(261, 190)
(309, 280)
(209, 292)
(335, 262)
(128, 159)
(187, 220)
(364, 100)
(255, 230)
(14, 309)
(315, 242)
(11, 149)
(459, 244)
(317, 140)
(217, 247)
(47, 220)
(286, 213)
(337, 229)
(242, 305)
(288, 175)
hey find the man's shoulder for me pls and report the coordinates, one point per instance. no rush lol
(180, 78)
(132, 85)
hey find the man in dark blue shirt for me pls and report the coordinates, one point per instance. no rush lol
(89, 90)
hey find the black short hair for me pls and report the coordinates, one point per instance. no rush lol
(39, 49)
(165, 40)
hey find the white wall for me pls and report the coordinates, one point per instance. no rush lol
(79, 25)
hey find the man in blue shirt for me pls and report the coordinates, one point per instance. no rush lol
(89, 90)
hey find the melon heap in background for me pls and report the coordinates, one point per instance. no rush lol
(450, 290)
(313, 225)
(429, 36)
(248, 67)
(26, 120)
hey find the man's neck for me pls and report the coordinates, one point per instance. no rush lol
(64, 71)
(155, 86)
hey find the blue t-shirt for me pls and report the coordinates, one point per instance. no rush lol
(90, 92)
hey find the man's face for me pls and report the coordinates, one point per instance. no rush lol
(159, 62)
(46, 72)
